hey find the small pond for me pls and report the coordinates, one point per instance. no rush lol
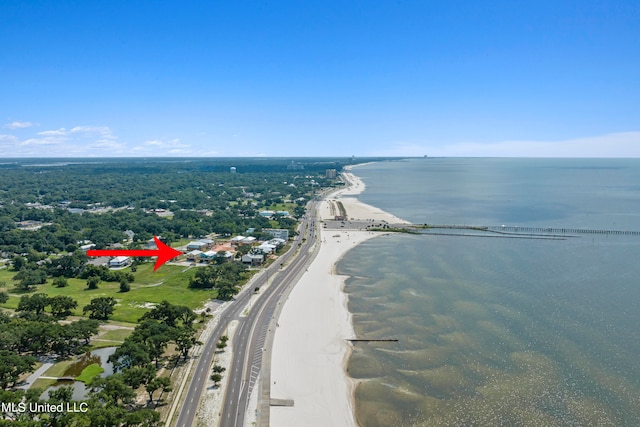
(99, 356)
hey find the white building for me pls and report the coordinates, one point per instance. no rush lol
(248, 240)
(266, 248)
(278, 233)
(196, 245)
(194, 255)
(253, 259)
(209, 255)
(237, 240)
(119, 261)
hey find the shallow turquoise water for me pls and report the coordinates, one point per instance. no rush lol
(499, 331)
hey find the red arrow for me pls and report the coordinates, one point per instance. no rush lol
(164, 252)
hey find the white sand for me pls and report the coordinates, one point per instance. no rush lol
(310, 350)
(357, 210)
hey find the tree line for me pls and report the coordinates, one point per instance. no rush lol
(111, 400)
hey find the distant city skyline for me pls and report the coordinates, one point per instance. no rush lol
(404, 78)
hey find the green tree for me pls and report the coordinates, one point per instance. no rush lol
(92, 282)
(204, 278)
(18, 262)
(154, 335)
(184, 340)
(112, 389)
(226, 289)
(143, 418)
(130, 354)
(216, 378)
(34, 304)
(12, 366)
(60, 282)
(171, 314)
(62, 306)
(124, 286)
(135, 376)
(100, 308)
(4, 297)
(83, 329)
(159, 383)
(30, 276)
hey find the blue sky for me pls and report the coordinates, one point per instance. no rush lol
(320, 78)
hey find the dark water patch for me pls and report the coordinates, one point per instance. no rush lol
(85, 360)
(80, 390)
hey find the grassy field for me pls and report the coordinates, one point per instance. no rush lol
(169, 283)
(89, 372)
(56, 370)
(116, 335)
(283, 207)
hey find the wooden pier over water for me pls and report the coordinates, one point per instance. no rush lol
(537, 230)
(476, 230)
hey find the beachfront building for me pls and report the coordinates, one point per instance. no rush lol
(119, 261)
(277, 242)
(207, 242)
(248, 240)
(194, 255)
(237, 240)
(208, 255)
(196, 245)
(266, 248)
(253, 259)
(278, 233)
(226, 255)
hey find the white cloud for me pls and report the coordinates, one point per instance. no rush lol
(108, 144)
(8, 139)
(87, 141)
(91, 130)
(18, 125)
(399, 149)
(43, 141)
(157, 147)
(59, 132)
(94, 141)
(622, 144)
(8, 144)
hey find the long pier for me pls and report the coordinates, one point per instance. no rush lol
(498, 229)
(538, 230)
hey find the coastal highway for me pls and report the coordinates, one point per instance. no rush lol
(248, 340)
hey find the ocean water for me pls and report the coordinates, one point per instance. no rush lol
(499, 331)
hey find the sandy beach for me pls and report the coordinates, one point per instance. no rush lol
(310, 350)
